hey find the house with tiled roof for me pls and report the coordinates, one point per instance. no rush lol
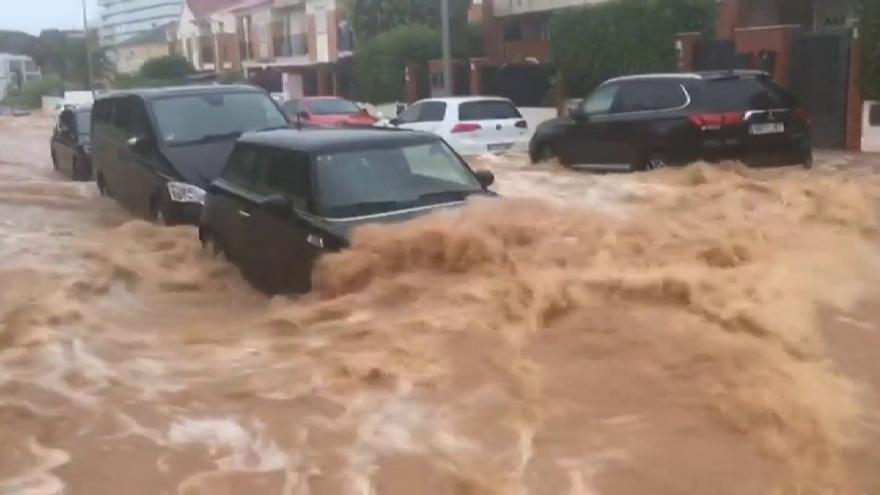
(299, 47)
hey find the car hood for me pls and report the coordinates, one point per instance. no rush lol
(344, 228)
(199, 164)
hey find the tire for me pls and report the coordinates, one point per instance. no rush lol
(101, 183)
(806, 154)
(77, 173)
(544, 153)
(653, 161)
(211, 244)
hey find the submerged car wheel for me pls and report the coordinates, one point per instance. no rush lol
(102, 185)
(544, 153)
(211, 244)
(654, 161)
(806, 158)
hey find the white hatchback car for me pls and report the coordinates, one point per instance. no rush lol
(472, 125)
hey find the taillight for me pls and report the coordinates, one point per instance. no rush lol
(715, 121)
(465, 127)
(522, 124)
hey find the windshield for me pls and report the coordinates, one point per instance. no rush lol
(189, 119)
(332, 107)
(84, 123)
(380, 180)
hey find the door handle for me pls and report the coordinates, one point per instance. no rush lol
(244, 214)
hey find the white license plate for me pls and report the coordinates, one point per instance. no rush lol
(499, 146)
(772, 128)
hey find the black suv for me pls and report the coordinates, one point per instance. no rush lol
(156, 150)
(70, 148)
(649, 121)
(285, 197)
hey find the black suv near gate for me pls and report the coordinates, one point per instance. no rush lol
(649, 121)
(156, 150)
(286, 197)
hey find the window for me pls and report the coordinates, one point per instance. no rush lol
(286, 173)
(601, 100)
(103, 111)
(84, 123)
(432, 111)
(411, 114)
(333, 106)
(874, 115)
(488, 110)
(644, 96)
(740, 94)
(368, 181)
(67, 122)
(241, 168)
(191, 118)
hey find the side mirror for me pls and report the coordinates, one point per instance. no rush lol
(139, 144)
(399, 108)
(579, 115)
(304, 115)
(485, 177)
(278, 205)
(395, 121)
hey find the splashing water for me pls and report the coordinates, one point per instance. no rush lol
(648, 333)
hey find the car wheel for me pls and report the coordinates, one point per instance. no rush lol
(806, 155)
(212, 245)
(102, 185)
(545, 153)
(78, 173)
(654, 161)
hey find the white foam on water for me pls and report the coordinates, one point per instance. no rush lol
(246, 451)
(38, 480)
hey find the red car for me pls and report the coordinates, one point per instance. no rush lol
(327, 111)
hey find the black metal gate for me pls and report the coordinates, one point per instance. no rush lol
(819, 79)
(715, 55)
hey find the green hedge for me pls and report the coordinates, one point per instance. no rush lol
(595, 43)
(869, 13)
(379, 66)
(31, 94)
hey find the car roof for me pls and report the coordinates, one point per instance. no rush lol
(702, 76)
(465, 99)
(149, 93)
(315, 141)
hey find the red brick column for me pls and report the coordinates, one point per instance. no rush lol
(730, 16)
(685, 50)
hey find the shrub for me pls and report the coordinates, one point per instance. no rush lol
(31, 94)
(167, 67)
(380, 65)
(595, 43)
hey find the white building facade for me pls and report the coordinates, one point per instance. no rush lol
(122, 19)
(15, 71)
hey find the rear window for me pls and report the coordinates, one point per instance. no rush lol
(488, 110)
(729, 95)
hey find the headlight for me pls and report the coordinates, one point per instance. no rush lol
(182, 192)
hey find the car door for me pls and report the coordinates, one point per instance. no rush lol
(229, 205)
(583, 137)
(283, 255)
(139, 171)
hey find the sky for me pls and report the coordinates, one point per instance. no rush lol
(32, 16)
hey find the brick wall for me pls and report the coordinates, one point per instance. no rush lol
(730, 16)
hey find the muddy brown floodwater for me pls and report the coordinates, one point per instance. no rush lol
(706, 330)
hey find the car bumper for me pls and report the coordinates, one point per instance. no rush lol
(467, 147)
(184, 213)
(784, 150)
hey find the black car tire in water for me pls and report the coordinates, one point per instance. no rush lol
(544, 153)
(211, 244)
(652, 161)
(102, 185)
(806, 154)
